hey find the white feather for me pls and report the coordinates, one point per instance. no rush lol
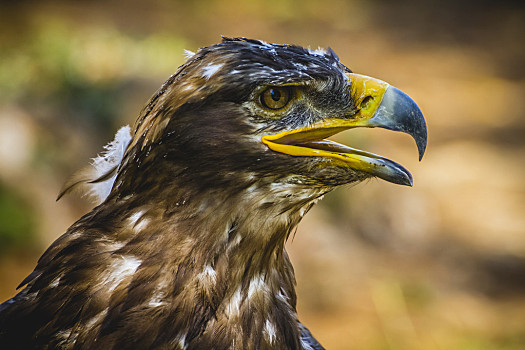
(319, 52)
(189, 54)
(210, 70)
(269, 329)
(119, 270)
(107, 160)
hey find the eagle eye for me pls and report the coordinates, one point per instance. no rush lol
(276, 98)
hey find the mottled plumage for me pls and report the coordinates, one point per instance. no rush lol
(187, 250)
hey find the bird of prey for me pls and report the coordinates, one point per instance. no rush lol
(186, 249)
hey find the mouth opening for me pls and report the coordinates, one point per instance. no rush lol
(313, 142)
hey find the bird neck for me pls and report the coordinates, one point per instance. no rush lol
(224, 263)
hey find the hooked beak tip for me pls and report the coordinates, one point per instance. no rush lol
(398, 112)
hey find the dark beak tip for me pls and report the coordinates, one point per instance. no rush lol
(420, 135)
(399, 112)
(405, 177)
(401, 180)
(395, 173)
(421, 142)
(408, 181)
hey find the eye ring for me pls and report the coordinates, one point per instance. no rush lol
(275, 97)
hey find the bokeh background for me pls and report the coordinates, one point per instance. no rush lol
(379, 266)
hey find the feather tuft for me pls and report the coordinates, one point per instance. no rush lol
(96, 180)
(189, 54)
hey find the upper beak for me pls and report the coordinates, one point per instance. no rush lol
(375, 104)
(389, 108)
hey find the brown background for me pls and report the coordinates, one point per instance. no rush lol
(379, 266)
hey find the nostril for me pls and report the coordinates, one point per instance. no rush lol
(366, 101)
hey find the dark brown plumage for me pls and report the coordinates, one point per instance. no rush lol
(186, 249)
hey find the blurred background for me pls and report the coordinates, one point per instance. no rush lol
(379, 266)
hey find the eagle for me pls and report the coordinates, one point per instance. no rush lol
(186, 247)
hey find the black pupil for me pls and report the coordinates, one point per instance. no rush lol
(276, 94)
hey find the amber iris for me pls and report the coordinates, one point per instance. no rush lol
(276, 97)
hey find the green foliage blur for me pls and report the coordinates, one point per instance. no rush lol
(17, 218)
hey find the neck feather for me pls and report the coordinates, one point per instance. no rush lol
(219, 265)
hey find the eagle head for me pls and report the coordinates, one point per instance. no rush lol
(245, 111)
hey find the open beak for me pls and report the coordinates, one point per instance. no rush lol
(376, 104)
